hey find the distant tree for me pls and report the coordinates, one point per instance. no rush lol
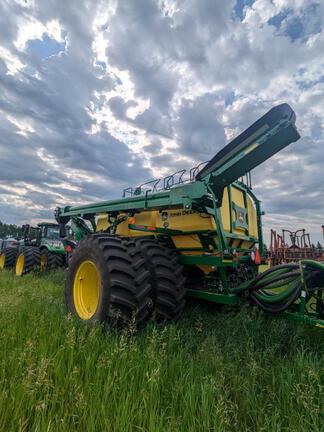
(9, 230)
(319, 247)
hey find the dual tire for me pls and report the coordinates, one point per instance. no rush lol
(31, 258)
(167, 278)
(50, 261)
(28, 260)
(8, 258)
(122, 281)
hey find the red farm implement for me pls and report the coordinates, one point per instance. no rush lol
(291, 246)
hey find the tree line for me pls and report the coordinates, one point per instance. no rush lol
(10, 230)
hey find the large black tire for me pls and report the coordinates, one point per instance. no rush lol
(8, 257)
(58, 261)
(50, 261)
(28, 260)
(108, 282)
(167, 278)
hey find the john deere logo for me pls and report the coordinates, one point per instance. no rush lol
(240, 217)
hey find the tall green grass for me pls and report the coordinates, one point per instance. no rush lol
(215, 370)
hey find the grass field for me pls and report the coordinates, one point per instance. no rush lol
(215, 370)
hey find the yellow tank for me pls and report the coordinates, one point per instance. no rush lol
(238, 226)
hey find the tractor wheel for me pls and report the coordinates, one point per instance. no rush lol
(167, 278)
(49, 260)
(108, 283)
(59, 261)
(8, 257)
(28, 260)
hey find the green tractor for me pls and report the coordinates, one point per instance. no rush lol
(40, 249)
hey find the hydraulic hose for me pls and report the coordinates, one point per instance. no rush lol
(276, 289)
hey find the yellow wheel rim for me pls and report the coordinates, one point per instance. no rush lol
(20, 264)
(86, 290)
(43, 262)
(2, 261)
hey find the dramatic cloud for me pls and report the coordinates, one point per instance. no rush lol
(97, 96)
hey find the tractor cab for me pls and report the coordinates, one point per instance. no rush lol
(49, 237)
(43, 234)
(49, 231)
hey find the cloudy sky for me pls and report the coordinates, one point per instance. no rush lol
(99, 95)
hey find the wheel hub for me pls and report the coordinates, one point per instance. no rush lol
(2, 261)
(43, 262)
(86, 289)
(20, 265)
